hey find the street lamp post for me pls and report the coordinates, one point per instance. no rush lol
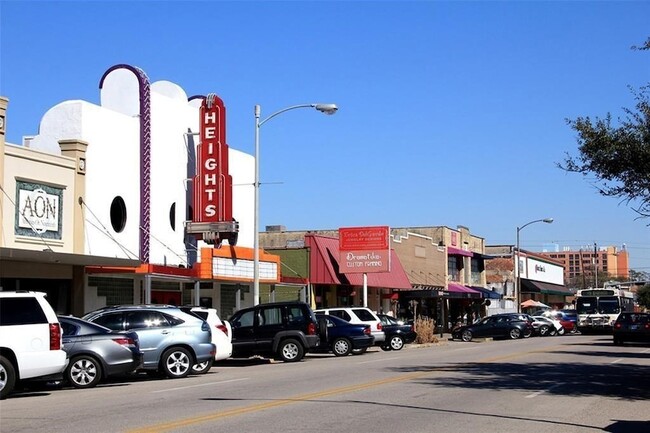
(323, 108)
(517, 273)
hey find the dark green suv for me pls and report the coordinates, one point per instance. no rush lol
(282, 330)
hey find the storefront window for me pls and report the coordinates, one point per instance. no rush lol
(452, 268)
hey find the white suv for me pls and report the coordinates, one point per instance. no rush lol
(30, 340)
(358, 315)
(221, 336)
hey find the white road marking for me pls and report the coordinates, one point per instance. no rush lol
(196, 386)
(646, 351)
(535, 394)
(616, 360)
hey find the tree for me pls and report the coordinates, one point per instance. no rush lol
(639, 275)
(618, 156)
(643, 296)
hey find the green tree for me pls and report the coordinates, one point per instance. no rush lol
(639, 275)
(643, 296)
(617, 155)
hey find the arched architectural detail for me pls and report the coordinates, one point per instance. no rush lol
(145, 155)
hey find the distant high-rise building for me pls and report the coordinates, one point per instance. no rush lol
(550, 248)
(585, 266)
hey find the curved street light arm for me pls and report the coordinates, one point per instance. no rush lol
(544, 220)
(516, 269)
(293, 107)
(323, 108)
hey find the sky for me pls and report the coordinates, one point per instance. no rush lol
(450, 112)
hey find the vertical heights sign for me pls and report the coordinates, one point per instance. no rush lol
(364, 249)
(212, 219)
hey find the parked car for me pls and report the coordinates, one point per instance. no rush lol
(172, 340)
(632, 327)
(221, 337)
(572, 315)
(567, 320)
(358, 315)
(96, 352)
(343, 337)
(397, 332)
(511, 326)
(30, 340)
(545, 326)
(284, 330)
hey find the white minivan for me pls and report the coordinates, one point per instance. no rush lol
(31, 346)
(358, 315)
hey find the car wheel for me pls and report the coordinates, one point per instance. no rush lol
(341, 347)
(544, 330)
(385, 348)
(396, 342)
(466, 336)
(514, 333)
(83, 372)
(202, 368)
(176, 362)
(7, 377)
(359, 351)
(290, 350)
(527, 332)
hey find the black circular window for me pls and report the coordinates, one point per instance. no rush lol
(118, 214)
(172, 216)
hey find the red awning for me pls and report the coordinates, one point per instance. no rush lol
(459, 288)
(458, 252)
(324, 267)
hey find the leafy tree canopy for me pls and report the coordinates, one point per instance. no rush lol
(643, 296)
(618, 156)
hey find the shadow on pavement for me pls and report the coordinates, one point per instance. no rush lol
(628, 427)
(620, 380)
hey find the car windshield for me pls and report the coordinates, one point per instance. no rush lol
(487, 320)
(387, 320)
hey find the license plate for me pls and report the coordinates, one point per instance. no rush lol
(634, 327)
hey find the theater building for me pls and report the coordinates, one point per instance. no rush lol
(96, 206)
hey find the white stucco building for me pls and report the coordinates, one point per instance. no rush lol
(134, 156)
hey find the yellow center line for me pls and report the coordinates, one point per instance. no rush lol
(305, 397)
(280, 402)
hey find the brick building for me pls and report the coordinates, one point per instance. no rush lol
(587, 266)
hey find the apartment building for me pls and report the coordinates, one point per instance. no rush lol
(590, 264)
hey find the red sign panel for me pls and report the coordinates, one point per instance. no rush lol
(363, 238)
(213, 183)
(364, 249)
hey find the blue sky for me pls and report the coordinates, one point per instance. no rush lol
(450, 113)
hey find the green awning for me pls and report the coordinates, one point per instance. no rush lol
(529, 286)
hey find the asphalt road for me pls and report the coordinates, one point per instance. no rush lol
(554, 384)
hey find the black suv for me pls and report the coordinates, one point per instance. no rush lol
(632, 327)
(284, 330)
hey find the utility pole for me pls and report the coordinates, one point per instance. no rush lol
(582, 271)
(595, 266)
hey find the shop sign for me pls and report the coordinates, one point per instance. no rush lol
(545, 272)
(38, 213)
(364, 249)
(213, 184)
